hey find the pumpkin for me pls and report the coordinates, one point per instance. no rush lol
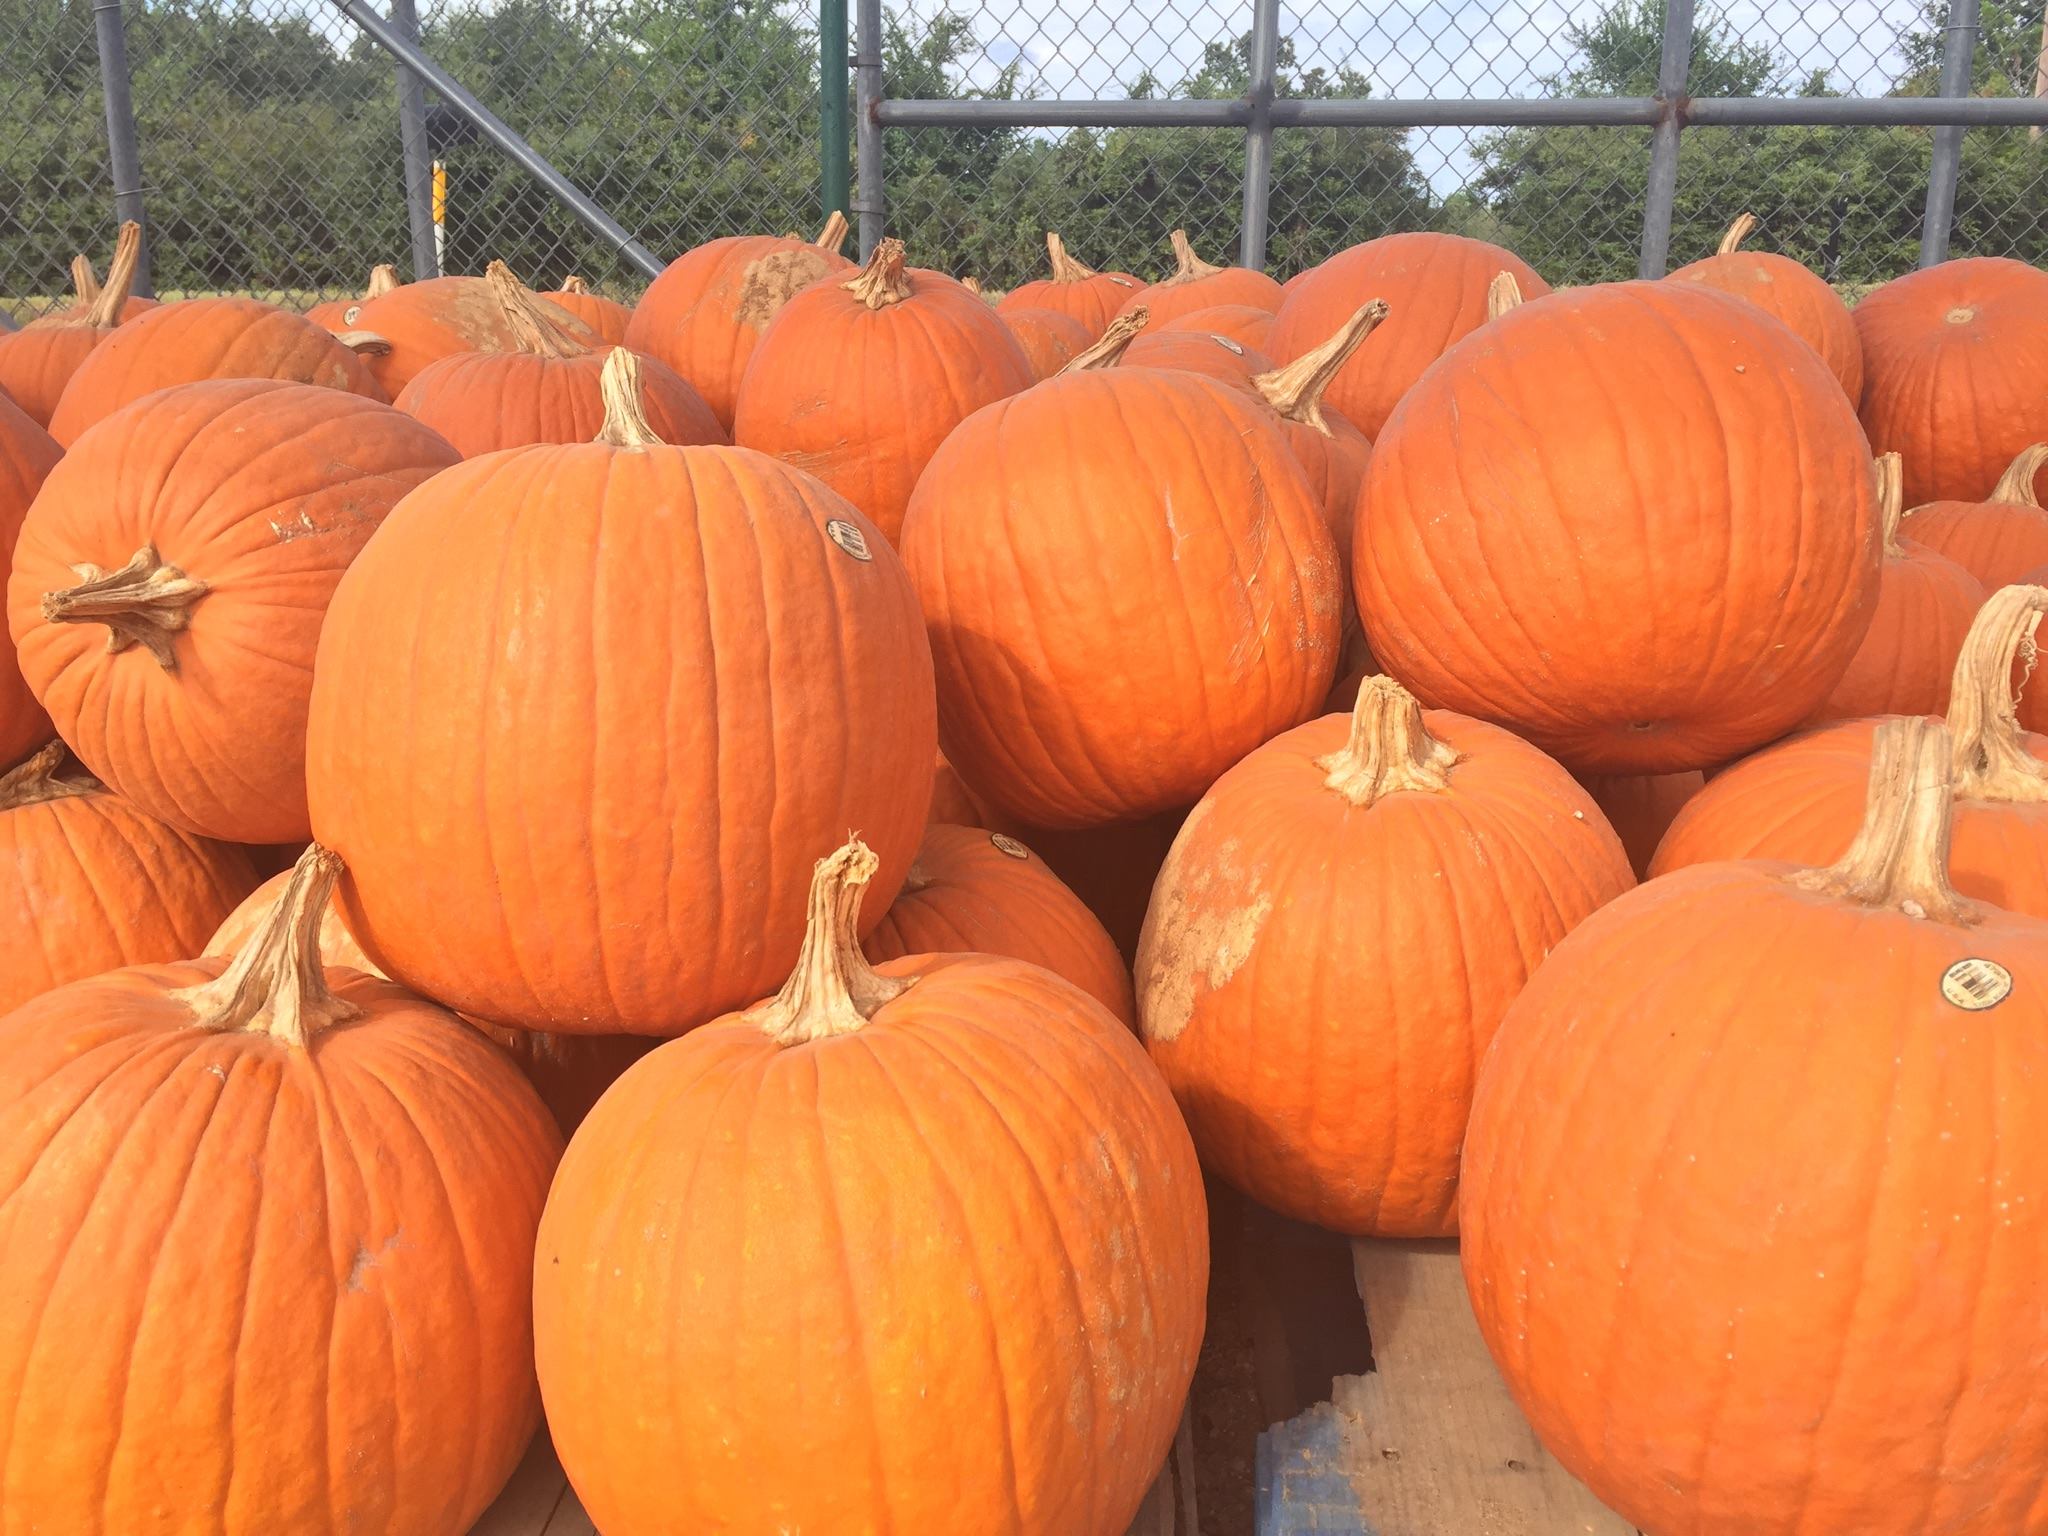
(1745, 1143)
(89, 883)
(859, 382)
(420, 323)
(1634, 523)
(1804, 796)
(27, 455)
(970, 890)
(340, 315)
(1091, 297)
(204, 339)
(308, 1200)
(1640, 807)
(1953, 357)
(665, 678)
(1999, 539)
(1247, 325)
(1212, 356)
(1353, 907)
(1925, 604)
(1128, 584)
(1049, 339)
(1111, 868)
(1195, 284)
(954, 802)
(1435, 289)
(1786, 291)
(170, 582)
(707, 310)
(606, 318)
(546, 389)
(37, 362)
(965, 1215)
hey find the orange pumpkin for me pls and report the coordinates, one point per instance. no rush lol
(1195, 284)
(1435, 290)
(1049, 338)
(1539, 545)
(1997, 540)
(340, 315)
(309, 1200)
(954, 803)
(1434, 849)
(974, 891)
(1786, 291)
(1091, 297)
(707, 310)
(1641, 807)
(1953, 358)
(1245, 324)
(1212, 356)
(88, 883)
(1747, 1141)
(606, 318)
(964, 1213)
(37, 362)
(420, 323)
(204, 339)
(664, 679)
(859, 382)
(27, 455)
(546, 389)
(1119, 615)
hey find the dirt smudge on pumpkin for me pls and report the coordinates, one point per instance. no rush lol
(1207, 911)
(769, 283)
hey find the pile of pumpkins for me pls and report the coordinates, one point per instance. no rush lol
(902, 784)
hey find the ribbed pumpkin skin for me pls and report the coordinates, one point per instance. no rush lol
(1048, 338)
(1094, 300)
(1635, 523)
(971, 1237)
(970, 891)
(660, 688)
(265, 492)
(1789, 292)
(1319, 980)
(1908, 656)
(484, 401)
(1641, 807)
(1071, 697)
(1753, 1220)
(1171, 299)
(705, 313)
(1214, 357)
(606, 319)
(1998, 542)
(27, 455)
(36, 364)
(247, 1288)
(1335, 463)
(863, 397)
(1953, 358)
(438, 318)
(1435, 288)
(1244, 324)
(202, 339)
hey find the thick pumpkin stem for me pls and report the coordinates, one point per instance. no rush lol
(882, 281)
(1064, 268)
(833, 236)
(1737, 233)
(1891, 500)
(144, 603)
(1390, 749)
(1899, 860)
(534, 329)
(42, 778)
(1297, 390)
(625, 421)
(84, 281)
(364, 343)
(2016, 485)
(1187, 266)
(833, 990)
(383, 278)
(108, 303)
(1503, 294)
(277, 982)
(1991, 757)
(1108, 349)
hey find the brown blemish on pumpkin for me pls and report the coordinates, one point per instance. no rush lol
(1203, 926)
(769, 283)
(1962, 314)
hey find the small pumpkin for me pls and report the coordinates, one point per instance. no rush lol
(27, 455)
(1641, 807)
(340, 315)
(1999, 539)
(1049, 338)
(1091, 297)
(606, 318)
(1788, 292)
(37, 362)
(963, 1190)
(1247, 325)
(1195, 284)
(420, 323)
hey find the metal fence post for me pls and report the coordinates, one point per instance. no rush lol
(1958, 55)
(832, 88)
(867, 124)
(418, 155)
(111, 33)
(1674, 67)
(1258, 134)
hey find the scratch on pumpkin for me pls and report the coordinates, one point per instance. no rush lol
(1204, 925)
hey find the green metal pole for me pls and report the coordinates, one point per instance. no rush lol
(832, 108)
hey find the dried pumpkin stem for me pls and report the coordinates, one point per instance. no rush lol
(625, 421)
(972, 284)
(574, 284)
(42, 778)
(1899, 860)
(1187, 266)
(144, 603)
(1737, 233)
(1503, 294)
(383, 279)
(1064, 268)
(833, 990)
(277, 982)
(1390, 749)
(833, 236)
(882, 281)
(2016, 485)
(364, 343)
(108, 303)
(1991, 757)
(1297, 390)
(534, 329)
(1108, 348)
(1891, 500)
(84, 281)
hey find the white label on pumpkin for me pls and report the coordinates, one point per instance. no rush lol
(1976, 984)
(848, 538)
(1007, 844)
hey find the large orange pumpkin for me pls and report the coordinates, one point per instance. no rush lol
(170, 582)
(1952, 361)
(974, 891)
(1783, 289)
(1635, 523)
(607, 318)
(707, 310)
(1049, 338)
(89, 883)
(1204, 352)
(1435, 290)
(546, 389)
(340, 315)
(420, 323)
(1129, 585)
(1752, 1137)
(1196, 284)
(37, 362)
(266, 1257)
(948, 1197)
(664, 680)
(204, 339)
(1245, 324)
(27, 455)
(1340, 926)
(1091, 297)
(1999, 539)
(859, 382)
(1641, 807)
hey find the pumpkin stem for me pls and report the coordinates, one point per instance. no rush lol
(2016, 485)
(1390, 749)
(1891, 500)
(42, 778)
(534, 329)
(625, 421)
(1187, 266)
(882, 281)
(833, 990)
(108, 303)
(383, 278)
(277, 982)
(1899, 860)
(574, 284)
(1991, 757)
(1296, 391)
(143, 603)
(364, 343)
(1108, 348)
(972, 284)
(1064, 268)
(833, 236)
(1503, 294)
(1737, 233)
(84, 281)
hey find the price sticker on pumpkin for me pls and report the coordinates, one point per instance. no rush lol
(848, 538)
(1976, 984)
